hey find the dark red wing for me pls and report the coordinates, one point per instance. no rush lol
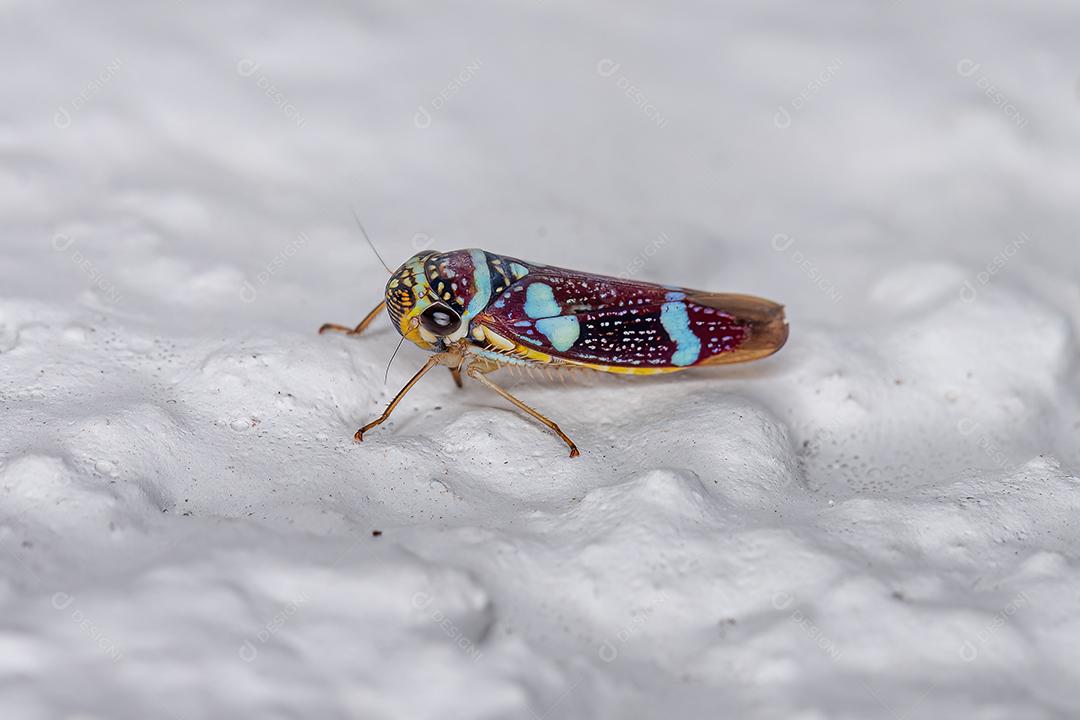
(628, 324)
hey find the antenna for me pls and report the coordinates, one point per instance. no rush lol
(371, 244)
(412, 326)
(386, 377)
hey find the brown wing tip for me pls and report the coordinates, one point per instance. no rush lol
(768, 335)
(765, 321)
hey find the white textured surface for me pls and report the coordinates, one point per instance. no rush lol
(879, 522)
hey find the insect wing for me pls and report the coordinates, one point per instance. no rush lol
(617, 324)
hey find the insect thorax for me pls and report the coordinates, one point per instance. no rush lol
(465, 281)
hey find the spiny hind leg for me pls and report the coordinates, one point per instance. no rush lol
(478, 371)
(370, 318)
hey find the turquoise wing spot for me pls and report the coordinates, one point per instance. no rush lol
(518, 270)
(540, 302)
(562, 331)
(676, 322)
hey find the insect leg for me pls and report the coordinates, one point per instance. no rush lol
(477, 372)
(456, 372)
(359, 328)
(445, 358)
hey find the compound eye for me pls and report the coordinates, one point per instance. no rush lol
(440, 320)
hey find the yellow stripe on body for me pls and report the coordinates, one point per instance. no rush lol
(523, 352)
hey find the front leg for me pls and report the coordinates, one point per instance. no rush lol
(363, 324)
(478, 371)
(452, 359)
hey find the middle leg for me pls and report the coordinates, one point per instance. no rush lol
(478, 371)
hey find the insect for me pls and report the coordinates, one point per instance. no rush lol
(478, 311)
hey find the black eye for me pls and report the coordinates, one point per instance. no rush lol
(440, 320)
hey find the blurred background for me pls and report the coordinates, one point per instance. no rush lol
(185, 149)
